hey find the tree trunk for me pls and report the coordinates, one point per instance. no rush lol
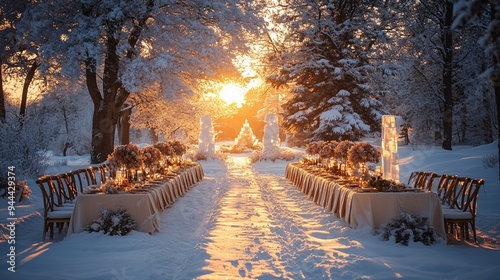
(27, 82)
(103, 132)
(154, 135)
(497, 101)
(106, 106)
(448, 77)
(125, 125)
(2, 96)
(496, 73)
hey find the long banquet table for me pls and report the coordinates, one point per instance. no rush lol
(144, 204)
(360, 209)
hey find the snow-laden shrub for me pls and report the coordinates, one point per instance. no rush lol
(196, 155)
(24, 147)
(200, 155)
(490, 161)
(282, 153)
(406, 227)
(113, 222)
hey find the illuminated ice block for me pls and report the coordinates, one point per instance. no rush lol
(390, 136)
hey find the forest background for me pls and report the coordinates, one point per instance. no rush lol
(81, 76)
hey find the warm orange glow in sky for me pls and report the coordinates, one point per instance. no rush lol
(232, 93)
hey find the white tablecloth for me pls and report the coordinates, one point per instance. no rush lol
(364, 209)
(144, 206)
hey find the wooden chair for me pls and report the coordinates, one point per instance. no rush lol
(103, 172)
(412, 179)
(91, 175)
(428, 181)
(422, 180)
(78, 180)
(85, 178)
(445, 187)
(64, 189)
(461, 216)
(52, 215)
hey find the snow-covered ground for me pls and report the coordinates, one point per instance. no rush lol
(247, 221)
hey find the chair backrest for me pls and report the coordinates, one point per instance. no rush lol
(70, 186)
(423, 180)
(444, 187)
(78, 181)
(61, 193)
(412, 178)
(104, 172)
(429, 181)
(91, 175)
(456, 196)
(467, 197)
(85, 177)
(415, 179)
(46, 186)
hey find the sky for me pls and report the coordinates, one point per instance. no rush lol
(248, 221)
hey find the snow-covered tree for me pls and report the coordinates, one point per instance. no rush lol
(134, 43)
(17, 59)
(327, 62)
(472, 11)
(432, 82)
(24, 144)
(65, 106)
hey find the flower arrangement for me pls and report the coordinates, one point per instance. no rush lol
(328, 149)
(407, 227)
(179, 148)
(110, 189)
(340, 154)
(342, 149)
(164, 148)
(113, 222)
(126, 155)
(313, 148)
(150, 156)
(383, 185)
(359, 155)
(363, 152)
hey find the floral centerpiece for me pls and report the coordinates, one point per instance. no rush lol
(313, 148)
(312, 151)
(327, 154)
(151, 156)
(327, 150)
(341, 152)
(128, 156)
(383, 185)
(360, 154)
(179, 148)
(164, 148)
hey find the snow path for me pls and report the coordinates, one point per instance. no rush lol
(263, 227)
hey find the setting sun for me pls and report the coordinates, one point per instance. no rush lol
(232, 93)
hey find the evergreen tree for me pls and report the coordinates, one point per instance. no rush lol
(327, 60)
(246, 138)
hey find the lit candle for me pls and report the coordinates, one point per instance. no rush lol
(139, 175)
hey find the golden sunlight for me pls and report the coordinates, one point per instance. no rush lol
(232, 93)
